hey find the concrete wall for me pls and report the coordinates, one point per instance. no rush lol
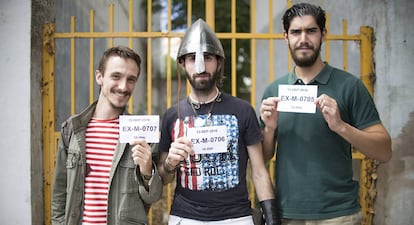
(15, 173)
(21, 147)
(21, 164)
(394, 51)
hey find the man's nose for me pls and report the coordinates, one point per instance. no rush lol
(122, 84)
(303, 37)
(199, 64)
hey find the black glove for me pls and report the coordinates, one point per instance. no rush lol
(270, 212)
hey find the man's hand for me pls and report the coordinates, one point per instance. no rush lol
(330, 112)
(142, 156)
(179, 150)
(268, 112)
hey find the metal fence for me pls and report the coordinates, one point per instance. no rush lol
(69, 63)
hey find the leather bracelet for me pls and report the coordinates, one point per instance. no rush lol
(166, 169)
(148, 177)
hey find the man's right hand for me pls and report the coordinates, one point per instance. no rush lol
(268, 112)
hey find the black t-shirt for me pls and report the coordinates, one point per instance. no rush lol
(213, 186)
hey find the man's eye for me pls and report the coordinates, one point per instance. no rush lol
(208, 57)
(190, 57)
(132, 80)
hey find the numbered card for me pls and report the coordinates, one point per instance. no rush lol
(133, 127)
(211, 139)
(297, 98)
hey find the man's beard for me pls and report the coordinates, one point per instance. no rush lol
(113, 105)
(204, 85)
(306, 61)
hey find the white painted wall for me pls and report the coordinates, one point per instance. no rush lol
(15, 206)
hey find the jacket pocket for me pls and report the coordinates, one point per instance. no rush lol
(72, 160)
(73, 168)
(131, 208)
(127, 176)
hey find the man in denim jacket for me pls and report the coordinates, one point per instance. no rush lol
(97, 178)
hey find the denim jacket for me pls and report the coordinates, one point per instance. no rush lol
(128, 199)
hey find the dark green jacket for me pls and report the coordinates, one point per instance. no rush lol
(128, 199)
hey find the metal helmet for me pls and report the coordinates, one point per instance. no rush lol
(200, 39)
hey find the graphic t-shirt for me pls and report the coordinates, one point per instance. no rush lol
(212, 186)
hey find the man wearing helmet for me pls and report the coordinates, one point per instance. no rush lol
(211, 186)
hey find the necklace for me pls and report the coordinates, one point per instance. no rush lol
(196, 106)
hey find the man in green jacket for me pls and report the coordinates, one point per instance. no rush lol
(99, 180)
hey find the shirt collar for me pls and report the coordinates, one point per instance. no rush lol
(322, 77)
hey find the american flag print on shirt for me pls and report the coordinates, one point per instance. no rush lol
(214, 171)
(101, 140)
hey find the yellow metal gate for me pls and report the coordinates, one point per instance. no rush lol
(365, 169)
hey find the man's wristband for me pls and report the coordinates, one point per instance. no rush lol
(168, 170)
(148, 177)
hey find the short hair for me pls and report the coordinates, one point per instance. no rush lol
(302, 9)
(121, 51)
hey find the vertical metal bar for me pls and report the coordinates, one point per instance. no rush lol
(130, 21)
(189, 13)
(169, 101)
(327, 42)
(290, 61)
(345, 44)
(253, 78)
(130, 29)
(111, 23)
(149, 58)
(271, 44)
(253, 53)
(91, 57)
(210, 16)
(367, 181)
(169, 72)
(271, 75)
(233, 50)
(72, 67)
(367, 57)
(48, 102)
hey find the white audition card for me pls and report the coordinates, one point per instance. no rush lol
(133, 127)
(211, 139)
(297, 98)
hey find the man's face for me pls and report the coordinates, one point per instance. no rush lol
(118, 82)
(204, 81)
(304, 39)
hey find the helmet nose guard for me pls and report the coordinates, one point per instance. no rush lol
(200, 39)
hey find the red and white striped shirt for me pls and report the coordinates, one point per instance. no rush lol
(101, 139)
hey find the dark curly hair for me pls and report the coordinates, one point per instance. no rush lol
(303, 9)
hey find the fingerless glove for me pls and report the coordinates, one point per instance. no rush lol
(270, 212)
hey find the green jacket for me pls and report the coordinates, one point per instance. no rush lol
(128, 199)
